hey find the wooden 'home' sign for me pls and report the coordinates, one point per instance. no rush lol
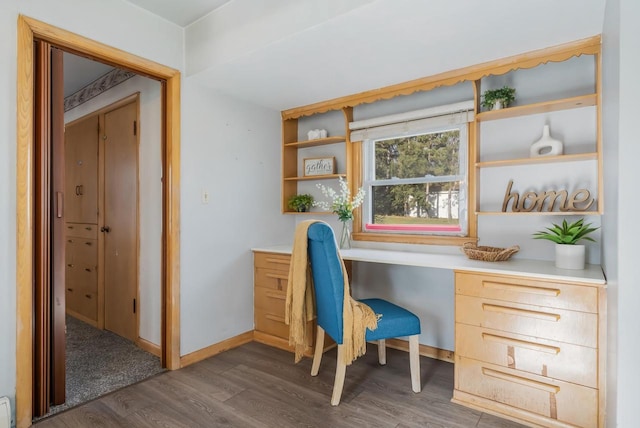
(580, 200)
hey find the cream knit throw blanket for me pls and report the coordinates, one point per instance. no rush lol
(300, 305)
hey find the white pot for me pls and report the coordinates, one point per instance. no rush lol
(570, 256)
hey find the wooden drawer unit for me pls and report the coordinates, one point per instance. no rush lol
(271, 279)
(279, 262)
(562, 361)
(81, 270)
(82, 230)
(271, 273)
(579, 328)
(528, 291)
(554, 400)
(530, 349)
(271, 301)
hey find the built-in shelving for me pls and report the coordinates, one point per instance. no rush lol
(317, 142)
(565, 213)
(536, 108)
(315, 177)
(537, 160)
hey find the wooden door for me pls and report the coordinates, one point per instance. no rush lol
(121, 221)
(49, 274)
(81, 163)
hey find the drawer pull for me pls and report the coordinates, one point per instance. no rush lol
(521, 343)
(88, 243)
(88, 228)
(274, 318)
(70, 289)
(87, 269)
(88, 296)
(520, 380)
(277, 276)
(553, 292)
(278, 261)
(521, 312)
(69, 227)
(275, 296)
(70, 265)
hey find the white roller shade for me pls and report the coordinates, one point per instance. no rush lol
(412, 122)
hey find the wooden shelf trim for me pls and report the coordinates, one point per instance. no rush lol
(536, 108)
(537, 160)
(318, 142)
(308, 212)
(567, 213)
(588, 46)
(315, 177)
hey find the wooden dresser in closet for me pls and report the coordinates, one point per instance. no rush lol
(81, 219)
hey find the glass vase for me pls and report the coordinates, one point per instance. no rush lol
(345, 236)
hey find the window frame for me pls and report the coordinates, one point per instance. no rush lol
(360, 160)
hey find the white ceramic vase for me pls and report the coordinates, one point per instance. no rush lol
(570, 256)
(546, 145)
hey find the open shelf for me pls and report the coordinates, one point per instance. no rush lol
(567, 213)
(318, 142)
(315, 177)
(308, 212)
(543, 107)
(537, 160)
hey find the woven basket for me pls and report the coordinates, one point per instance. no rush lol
(488, 254)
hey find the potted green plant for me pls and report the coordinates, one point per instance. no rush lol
(569, 254)
(301, 203)
(495, 99)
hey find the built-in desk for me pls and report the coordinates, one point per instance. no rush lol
(529, 338)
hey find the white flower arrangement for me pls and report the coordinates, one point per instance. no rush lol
(341, 203)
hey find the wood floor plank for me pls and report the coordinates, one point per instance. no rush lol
(92, 414)
(255, 385)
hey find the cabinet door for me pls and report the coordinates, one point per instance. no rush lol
(81, 171)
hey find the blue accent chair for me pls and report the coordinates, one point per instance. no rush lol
(329, 292)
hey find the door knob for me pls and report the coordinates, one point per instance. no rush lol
(105, 229)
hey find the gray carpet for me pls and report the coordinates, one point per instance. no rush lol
(99, 362)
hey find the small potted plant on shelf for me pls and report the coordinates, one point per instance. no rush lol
(569, 254)
(301, 203)
(495, 99)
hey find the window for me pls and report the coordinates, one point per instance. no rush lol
(415, 175)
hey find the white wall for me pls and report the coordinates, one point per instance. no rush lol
(621, 92)
(150, 192)
(8, 199)
(114, 23)
(231, 150)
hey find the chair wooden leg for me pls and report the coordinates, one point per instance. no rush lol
(317, 354)
(338, 384)
(414, 362)
(382, 352)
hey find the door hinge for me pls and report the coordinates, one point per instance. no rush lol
(134, 306)
(135, 127)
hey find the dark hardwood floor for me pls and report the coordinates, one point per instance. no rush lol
(259, 386)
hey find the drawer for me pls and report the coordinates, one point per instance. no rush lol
(563, 361)
(82, 230)
(270, 301)
(274, 261)
(553, 399)
(275, 325)
(269, 278)
(579, 328)
(528, 291)
(83, 303)
(82, 252)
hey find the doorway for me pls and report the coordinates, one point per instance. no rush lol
(28, 30)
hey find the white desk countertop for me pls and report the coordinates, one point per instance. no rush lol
(540, 269)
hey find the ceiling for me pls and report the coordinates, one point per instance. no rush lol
(374, 44)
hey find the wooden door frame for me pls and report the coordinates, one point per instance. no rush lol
(28, 30)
